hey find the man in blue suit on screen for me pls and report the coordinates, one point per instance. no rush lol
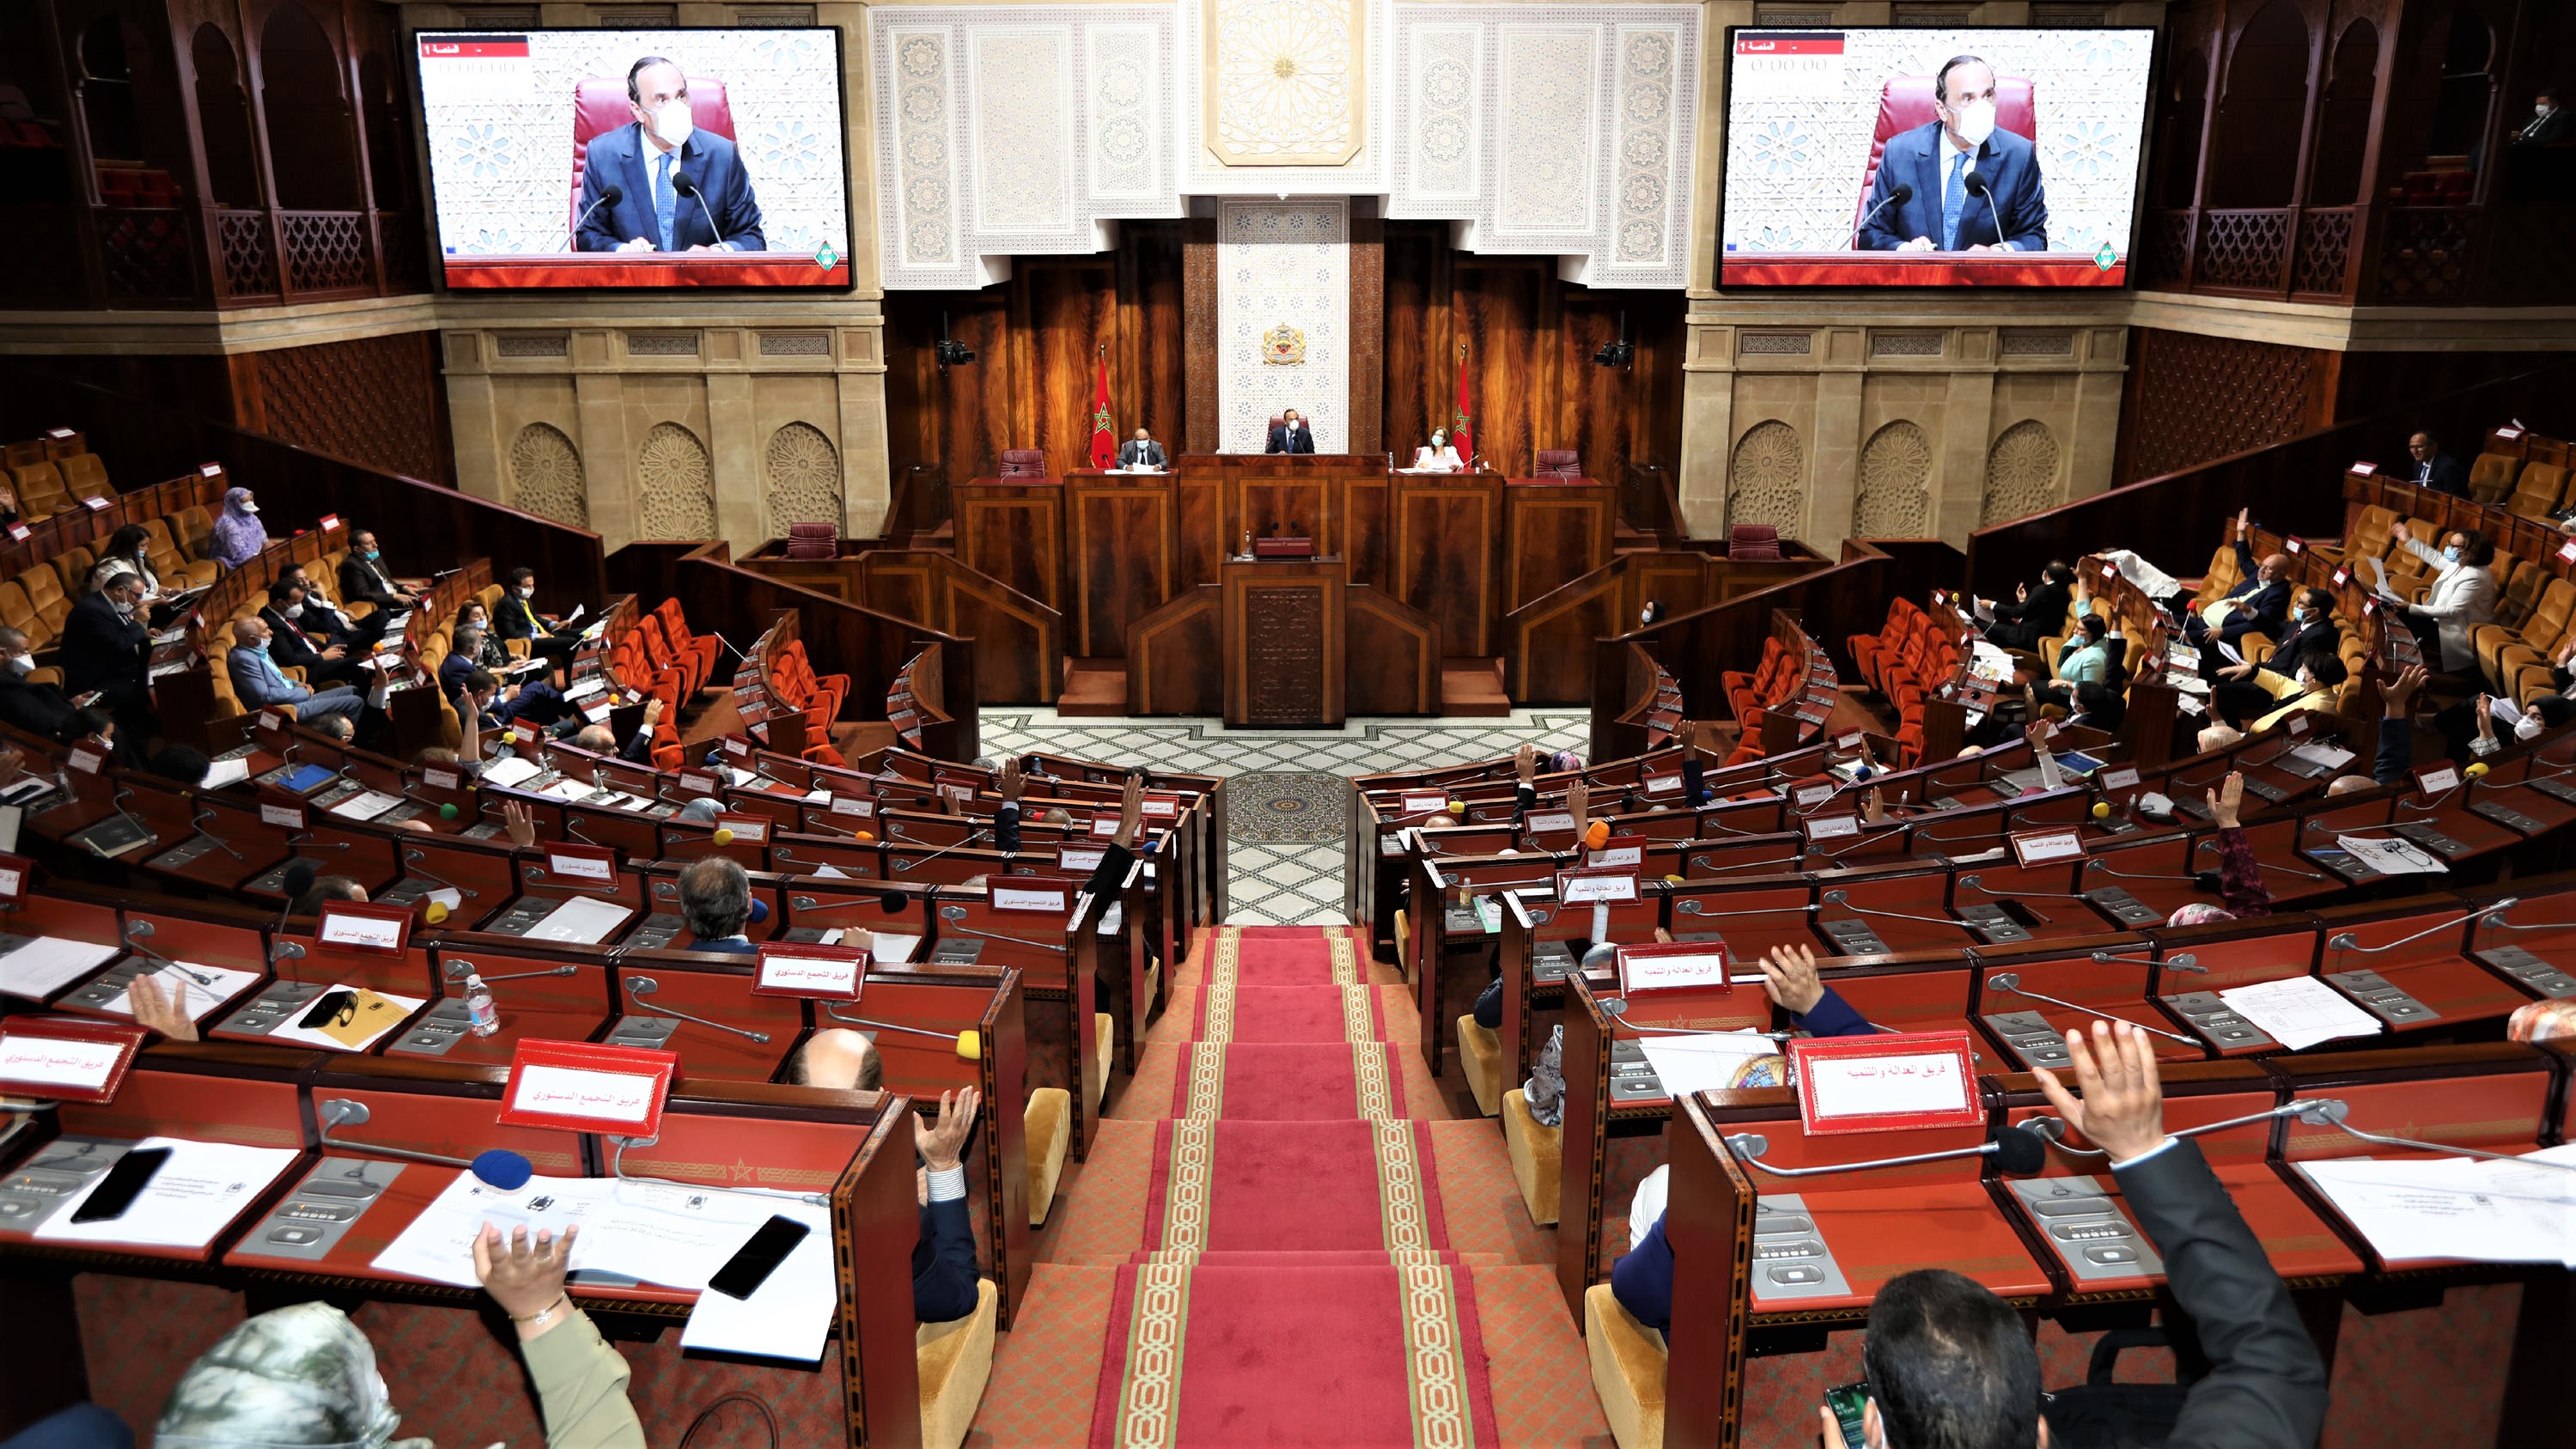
(1973, 188)
(678, 189)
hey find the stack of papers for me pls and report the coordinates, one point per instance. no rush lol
(2458, 1207)
(2323, 755)
(510, 771)
(366, 805)
(47, 964)
(220, 773)
(1707, 1062)
(581, 920)
(2391, 856)
(199, 998)
(201, 1189)
(2299, 1011)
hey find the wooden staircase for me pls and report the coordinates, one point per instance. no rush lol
(1473, 687)
(1095, 687)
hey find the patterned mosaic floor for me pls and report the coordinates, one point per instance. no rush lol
(1287, 800)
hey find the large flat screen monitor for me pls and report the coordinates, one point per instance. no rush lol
(1904, 157)
(637, 158)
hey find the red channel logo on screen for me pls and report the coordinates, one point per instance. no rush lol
(476, 47)
(1788, 45)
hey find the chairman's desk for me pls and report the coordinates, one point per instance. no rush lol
(1766, 1264)
(1108, 548)
(645, 269)
(315, 1231)
(1919, 269)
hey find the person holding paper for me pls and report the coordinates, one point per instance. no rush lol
(2035, 611)
(2240, 692)
(2257, 604)
(518, 617)
(2462, 597)
(1948, 1362)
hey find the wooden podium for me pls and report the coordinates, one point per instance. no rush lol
(1283, 641)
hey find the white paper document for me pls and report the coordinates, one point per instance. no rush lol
(673, 1235)
(47, 964)
(439, 1244)
(510, 771)
(2233, 657)
(226, 772)
(404, 1006)
(2299, 1011)
(198, 989)
(366, 805)
(2391, 856)
(582, 920)
(790, 1315)
(203, 1187)
(2322, 755)
(1707, 1062)
(2457, 1207)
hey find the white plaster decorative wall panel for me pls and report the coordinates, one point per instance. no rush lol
(1445, 88)
(1022, 116)
(914, 132)
(1283, 264)
(1641, 229)
(1127, 87)
(1549, 119)
(1285, 82)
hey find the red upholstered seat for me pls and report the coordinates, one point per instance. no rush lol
(1752, 541)
(1906, 102)
(1556, 463)
(599, 105)
(1023, 463)
(813, 540)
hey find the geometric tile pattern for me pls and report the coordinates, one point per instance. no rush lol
(1275, 882)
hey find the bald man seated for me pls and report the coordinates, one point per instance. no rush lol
(2259, 604)
(943, 1257)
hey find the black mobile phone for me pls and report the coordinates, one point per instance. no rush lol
(123, 1184)
(751, 1267)
(327, 1008)
(1846, 1403)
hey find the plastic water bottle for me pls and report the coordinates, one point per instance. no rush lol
(482, 1013)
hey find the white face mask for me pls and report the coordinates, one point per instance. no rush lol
(23, 663)
(1976, 121)
(295, 611)
(673, 123)
(527, 591)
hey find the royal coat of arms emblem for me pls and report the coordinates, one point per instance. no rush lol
(1283, 344)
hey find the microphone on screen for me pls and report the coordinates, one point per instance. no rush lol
(1977, 185)
(681, 183)
(608, 196)
(1901, 195)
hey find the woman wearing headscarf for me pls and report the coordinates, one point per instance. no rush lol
(238, 533)
(306, 1375)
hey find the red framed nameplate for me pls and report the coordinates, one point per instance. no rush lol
(823, 973)
(1619, 852)
(275, 728)
(87, 756)
(582, 864)
(2116, 777)
(277, 808)
(15, 872)
(376, 928)
(1809, 793)
(1891, 1082)
(749, 829)
(1596, 888)
(1427, 802)
(1662, 784)
(864, 809)
(434, 778)
(697, 782)
(583, 1087)
(66, 1058)
(1159, 807)
(1075, 857)
(1553, 820)
(2431, 780)
(1035, 895)
(1830, 827)
(1674, 966)
(2046, 847)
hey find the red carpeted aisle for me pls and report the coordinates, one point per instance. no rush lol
(1294, 1288)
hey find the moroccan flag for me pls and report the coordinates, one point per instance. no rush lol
(1104, 434)
(1462, 434)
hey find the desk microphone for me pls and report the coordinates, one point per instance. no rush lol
(1977, 185)
(2018, 1152)
(640, 987)
(2348, 941)
(1901, 195)
(2315, 1112)
(138, 932)
(608, 196)
(2009, 983)
(681, 183)
(969, 1044)
(499, 1168)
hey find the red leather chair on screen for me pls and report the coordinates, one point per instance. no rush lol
(1905, 102)
(599, 105)
(1023, 463)
(1556, 463)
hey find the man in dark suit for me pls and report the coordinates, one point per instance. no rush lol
(2434, 468)
(106, 648)
(1142, 451)
(2549, 124)
(1946, 213)
(653, 164)
(1948, 1362)
(1291, 435)
(363, 579)
(2039, 609)
(323, 620)
(516, 617)
(323, 660)
(944, 1270)
(2260, 603)
(40, 709)
(2315, 640)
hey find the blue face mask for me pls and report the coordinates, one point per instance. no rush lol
(371, 555)
(2297, 614)
(2452, 553)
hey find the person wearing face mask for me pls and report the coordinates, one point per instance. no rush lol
(257, 681)
(516, 617)
(2549, 124)
(654, 165)
(2245, 691)
(40, 709)
(106, 649)
(323, 621)
(2462, 597)
(1141, 451)
(1945, 213)
(1291, 435)
(364, 579)
(1437, 456)
(322, 661)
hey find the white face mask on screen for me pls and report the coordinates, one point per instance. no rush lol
(1975, 121)
(673, 123)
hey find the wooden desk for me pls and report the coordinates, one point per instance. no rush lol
(1283, 642)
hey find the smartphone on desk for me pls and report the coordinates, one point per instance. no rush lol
(757, 1259)
(1846, 1404)
(123, 1184)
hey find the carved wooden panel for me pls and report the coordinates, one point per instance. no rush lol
(1014, 532)
(2195, 398)
(373, 400)
(900, 584)
(1199, 529)
(1283, 636)
(1553, 533)
(1122, 546)
(1446, 556)
(1391, 663)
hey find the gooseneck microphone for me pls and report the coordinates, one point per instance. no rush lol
(2018, 1151)
(608, 196)
(1977, 185)
(499, 1167)
(681, 183)
(1901, 195)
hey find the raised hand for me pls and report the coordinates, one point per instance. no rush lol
(1010, 781)
(2225, 800)
(1131, 811)
(165, 1014)
(1687, 734)
(1578, 803)
(522, 825)
(2399, 694)
(943, 1145)
(525, 1278)
(1789, 977)
(2122, 1109)
(2242, 515)
(1525, 763)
